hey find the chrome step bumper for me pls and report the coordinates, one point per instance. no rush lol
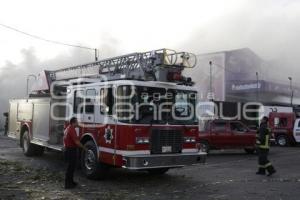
(140, 162)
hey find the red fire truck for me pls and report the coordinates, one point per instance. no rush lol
(285, 128)
(135, 111)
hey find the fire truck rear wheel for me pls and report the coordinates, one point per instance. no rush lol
(158, 171)
(90, 164)
(27, 146)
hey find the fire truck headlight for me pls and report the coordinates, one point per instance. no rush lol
(142, 140)
(189, 139)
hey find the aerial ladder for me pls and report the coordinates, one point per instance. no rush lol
(159, 65)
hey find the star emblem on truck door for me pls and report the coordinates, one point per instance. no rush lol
(108, 136)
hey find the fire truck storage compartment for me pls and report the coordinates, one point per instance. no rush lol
(40, 122)
(14, 125)
(57, 121)
(35, 112)
(24, 110)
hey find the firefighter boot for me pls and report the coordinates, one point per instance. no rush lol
(271, 170)
(261, 171)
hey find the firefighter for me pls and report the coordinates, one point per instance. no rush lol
(6, 123)
(263, 146)
(71, 143)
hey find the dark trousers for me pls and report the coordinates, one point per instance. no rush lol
(70, 157)
(263, 162)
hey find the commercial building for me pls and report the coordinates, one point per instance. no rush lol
(241, 76)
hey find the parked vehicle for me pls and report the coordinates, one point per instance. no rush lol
(226, 134)
(285, 128)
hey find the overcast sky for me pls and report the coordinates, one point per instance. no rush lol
(125, 25)
(270, 28)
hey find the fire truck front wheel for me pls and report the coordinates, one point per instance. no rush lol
(30, 149)
(90, 164)
(282, 140)
(205, 146)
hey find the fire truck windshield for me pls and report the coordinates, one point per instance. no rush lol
(154, 105)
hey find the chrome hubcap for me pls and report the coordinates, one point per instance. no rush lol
(25, 142)
(204, 147)
(282, 141)
(89, 159)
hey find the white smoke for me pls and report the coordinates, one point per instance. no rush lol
(270, 28)
(13, 75)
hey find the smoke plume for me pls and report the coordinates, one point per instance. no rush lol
(270, 28)
(13, 75)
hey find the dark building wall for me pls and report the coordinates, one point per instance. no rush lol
(234, 79)
(242, 64)
(242, 83)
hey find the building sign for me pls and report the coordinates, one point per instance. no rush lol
(245, 86)
(249, 86)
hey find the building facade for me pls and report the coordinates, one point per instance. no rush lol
(240, 76)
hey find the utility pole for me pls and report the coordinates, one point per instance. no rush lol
(210, 81)
(257, 97)
(291, 89)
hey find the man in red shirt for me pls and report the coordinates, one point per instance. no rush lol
(71, 143)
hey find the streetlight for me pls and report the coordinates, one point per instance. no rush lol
(210, 81)
(28, 77)
(291, 88)
(96, 54)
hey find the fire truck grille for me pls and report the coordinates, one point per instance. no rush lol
(166, 141)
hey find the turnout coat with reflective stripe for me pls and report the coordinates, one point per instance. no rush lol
(263, 136)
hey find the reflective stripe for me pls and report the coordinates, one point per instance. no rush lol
(124, 152)
(257, 139)
(266, 145)
(138, 152)
(265, 166)
(268, 165)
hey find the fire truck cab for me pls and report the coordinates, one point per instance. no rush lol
(285, 128)
(134, 111)
(296, 131)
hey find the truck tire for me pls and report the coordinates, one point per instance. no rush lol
(30, 149)
(249, 151)
(205, 146)
(282, 140)
(27, 146)
(90, 164)
(158, 171)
